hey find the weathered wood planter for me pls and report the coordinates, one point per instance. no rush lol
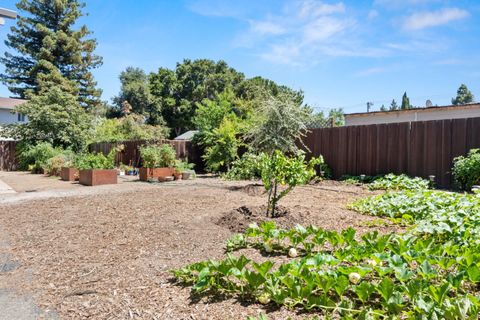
(69, 174)
(155, 173)
(97, 177)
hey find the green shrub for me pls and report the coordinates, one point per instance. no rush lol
(154, 156)
(35, 157)
(245, 168)
(183, 166)
(94, 161)
(55, 164)
(358, 179)
(167, 156)
(466, 170)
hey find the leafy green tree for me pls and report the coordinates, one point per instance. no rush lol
(257, 89)
(47, 38)
(131, 127)
(219, 128)
(393, 105)
(135, 96)
(179, 92)
(224, 146)
(54, 116)
(464, 96)
(383, 108)
(405, 102)
(337, 117)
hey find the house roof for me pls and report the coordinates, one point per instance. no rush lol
(423, 109)
(187, 135)
(10, 103)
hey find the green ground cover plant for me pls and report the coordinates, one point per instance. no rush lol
(398, 182)
(389, 182)
(431, 271)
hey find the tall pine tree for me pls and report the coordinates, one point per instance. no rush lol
(45, 40)
(405, 102)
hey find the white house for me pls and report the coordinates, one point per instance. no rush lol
(411, 115)
(7, 115)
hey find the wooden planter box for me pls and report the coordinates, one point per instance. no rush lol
(69, 174)
(97, 177)
(155, 173)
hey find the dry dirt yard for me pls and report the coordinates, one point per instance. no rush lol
(106, 252)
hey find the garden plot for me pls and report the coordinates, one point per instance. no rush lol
(110, 254)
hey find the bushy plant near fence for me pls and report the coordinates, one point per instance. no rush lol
(94, 161)
(154, 156)
(466, 169)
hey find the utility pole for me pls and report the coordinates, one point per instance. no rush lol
(369, 105)
(6, 14)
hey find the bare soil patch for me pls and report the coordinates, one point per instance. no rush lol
(106, 253)
(239, 219)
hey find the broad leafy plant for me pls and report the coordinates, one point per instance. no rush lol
(399, 182)
(431, 271)
(245, 168)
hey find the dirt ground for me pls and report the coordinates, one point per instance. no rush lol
(106, 252)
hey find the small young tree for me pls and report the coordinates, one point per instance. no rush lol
(281, 126)
(278, 170)
(464, 96)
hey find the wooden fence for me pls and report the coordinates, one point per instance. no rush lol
(131, 155)
(414, 148)
(8, 158)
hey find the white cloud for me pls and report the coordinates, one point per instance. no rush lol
(312, 8)
(422, 20)
(266, 28)
(372, 14)
(304, 32)
(371, 71)
(402, 3)
(323, 28)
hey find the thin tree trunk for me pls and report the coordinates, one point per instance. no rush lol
(274, 201)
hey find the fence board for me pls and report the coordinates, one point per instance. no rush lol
(415, 148)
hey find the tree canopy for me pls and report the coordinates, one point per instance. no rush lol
(47, 39)
(464, 96)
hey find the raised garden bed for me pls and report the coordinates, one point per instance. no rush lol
(96, 177)
(155, 173)
(69, 174)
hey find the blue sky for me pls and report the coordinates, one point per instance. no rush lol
(341, 53)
